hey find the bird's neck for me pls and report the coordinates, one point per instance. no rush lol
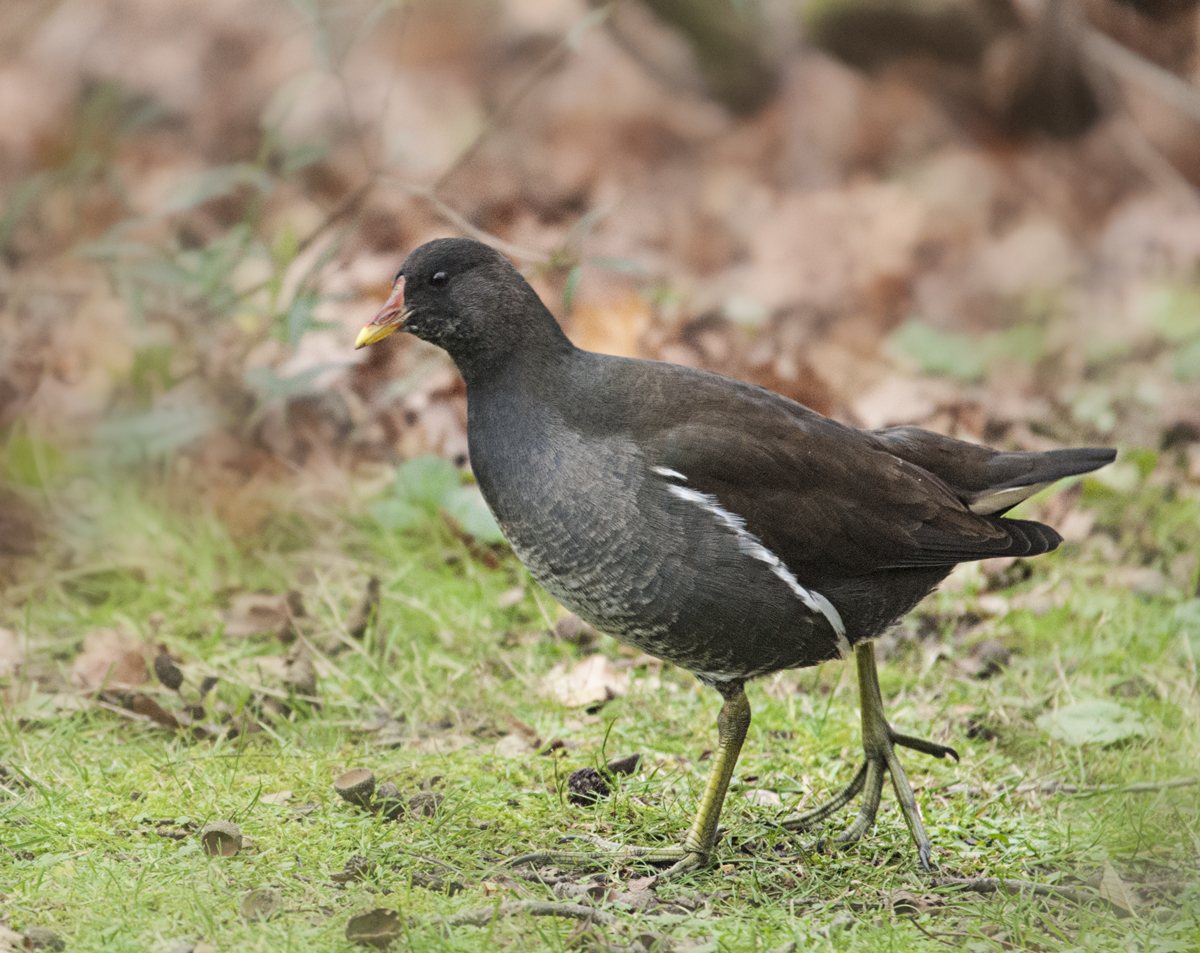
(525, 355)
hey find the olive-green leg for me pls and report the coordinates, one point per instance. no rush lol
(732, 724)
(879, 747)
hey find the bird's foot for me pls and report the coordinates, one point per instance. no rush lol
(682, 859)
(880, 749)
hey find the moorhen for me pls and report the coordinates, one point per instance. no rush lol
(710, 522)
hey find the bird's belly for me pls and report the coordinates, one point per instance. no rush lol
(695, 600)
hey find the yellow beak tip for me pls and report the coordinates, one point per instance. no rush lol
(373, 333)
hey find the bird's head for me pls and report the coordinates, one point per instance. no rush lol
(464, 297)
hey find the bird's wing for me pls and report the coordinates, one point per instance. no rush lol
(828, 497)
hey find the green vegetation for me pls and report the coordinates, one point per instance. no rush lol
(101, 808)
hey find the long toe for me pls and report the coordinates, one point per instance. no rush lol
(872, 792)
(810, 819)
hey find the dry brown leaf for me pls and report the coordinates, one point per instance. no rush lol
(255, 612)
(277, 798)
(147, 706)
(592, 680)
(1116, 891)
(111, 658)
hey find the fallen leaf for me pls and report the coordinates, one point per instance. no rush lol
(145, 705)
(167, 671)
(252, 613)
(593, 679)
(111, 658)
(1116, 891)
(357, 867)
(39, 938)
(262, 903)
(1093, 722)
(377, 928)
(586, 786)
(299, 673)
(356, 786)
(277, 798)
(221, 839)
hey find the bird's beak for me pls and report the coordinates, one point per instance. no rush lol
(391, 317)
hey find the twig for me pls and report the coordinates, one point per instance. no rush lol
(1141, 787)
(1060, 787)
(535, 75)
(938, 936)
(346, 206)
(465, 226)
(1136, 69)
(1015, 888)
(535, 908)
(430, 860)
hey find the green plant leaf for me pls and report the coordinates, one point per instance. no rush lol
(214, 183)
(1093, 722)
(140, 436)
(427, 487)
(941, 352)
(270, 386)
(466, 505)
(425, 482)
(398, 515)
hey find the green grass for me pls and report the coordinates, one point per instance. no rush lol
(88, 791)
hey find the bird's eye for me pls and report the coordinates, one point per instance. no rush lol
(438, 278)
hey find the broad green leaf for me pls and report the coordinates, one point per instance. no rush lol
(1093, 722)
(425, 481)
(941, 352)
(466, 505)
(428, 486)
(398, 515)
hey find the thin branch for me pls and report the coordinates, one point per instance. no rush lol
(1016, 888)
(1128, 65)
(535, 908)
(543, 67)
(465, 226)
(1141, 787)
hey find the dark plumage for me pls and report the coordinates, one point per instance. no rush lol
(710, 522)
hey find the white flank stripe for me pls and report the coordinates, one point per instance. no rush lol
(1004, 499)
(669, 473)
(752, 546)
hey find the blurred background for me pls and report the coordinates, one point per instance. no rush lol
(980, 216)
